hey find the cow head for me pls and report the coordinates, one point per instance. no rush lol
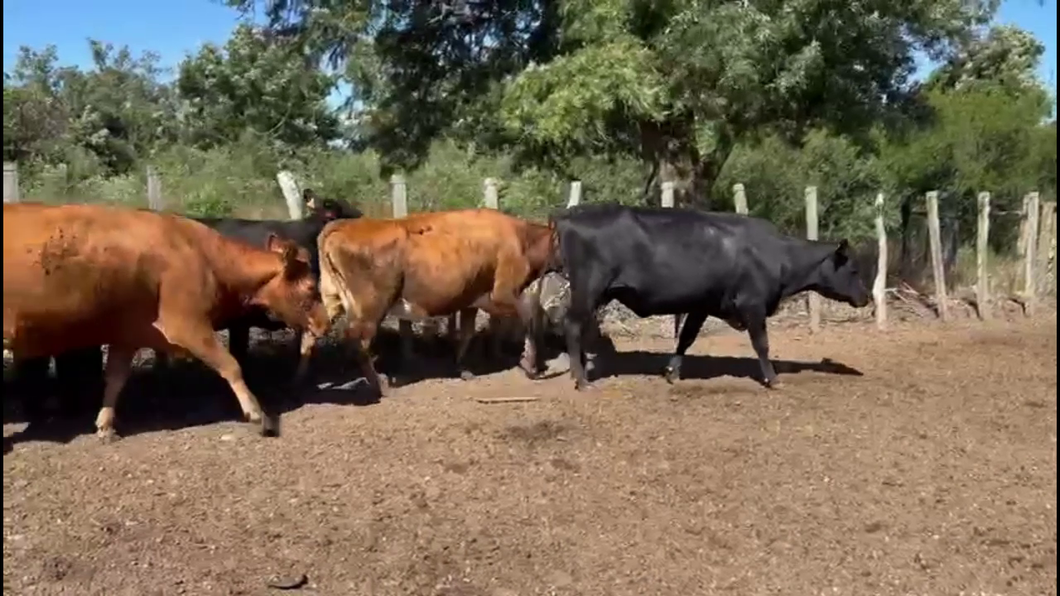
(292, 295)
(309, 199)
(327, 209)
(838, 278)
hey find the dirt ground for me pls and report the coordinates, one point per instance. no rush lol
(920, 461)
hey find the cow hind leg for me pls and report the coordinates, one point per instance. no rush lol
(204, 345)
(756, 328)
(580, 314)
(31, 384)
(239, 342)
(119, 366)
(692, 324)
(466, 334)
(359, 337)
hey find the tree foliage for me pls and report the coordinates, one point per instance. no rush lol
(677, 83)
(259, 82)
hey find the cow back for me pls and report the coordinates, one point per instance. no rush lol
(81, 275)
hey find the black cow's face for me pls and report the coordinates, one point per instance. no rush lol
(841, 280)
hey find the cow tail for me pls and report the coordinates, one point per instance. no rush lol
(555, 261)
(332, 284)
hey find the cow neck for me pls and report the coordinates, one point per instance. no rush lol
(805, 257)
(243, 270)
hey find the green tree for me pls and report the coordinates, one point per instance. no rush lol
(677, 83)
(257, 82)
(36, 120)
(118, 111)
(1005, 56)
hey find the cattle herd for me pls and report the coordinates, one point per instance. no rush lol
(77, 277)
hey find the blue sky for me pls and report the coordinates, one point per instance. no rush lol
(174, 28)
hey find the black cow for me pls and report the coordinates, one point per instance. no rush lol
(78, 372)
(663, 261)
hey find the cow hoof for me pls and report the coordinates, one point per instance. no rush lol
(584, 387)
(270, 426)
(382, 386)
(107, 435)
(774, 384)
(531, 371)
(527, 365)
(466, 375)
(672, 375)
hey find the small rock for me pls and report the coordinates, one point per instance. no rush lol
(288, 583)
(560, 579)
(228, 437)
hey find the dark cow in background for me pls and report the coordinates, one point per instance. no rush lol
(666, 261)
(79, 276)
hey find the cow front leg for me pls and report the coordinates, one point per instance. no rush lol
(756, 328)
(574, 328)
(119, 365)
(204, 345)
(305, 353)
(692, 325)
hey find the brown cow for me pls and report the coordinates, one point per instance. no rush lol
(428, 265)
(85, 275)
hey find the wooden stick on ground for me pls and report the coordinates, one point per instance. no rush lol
(504, 400)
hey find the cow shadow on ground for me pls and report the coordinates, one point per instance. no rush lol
(638, 362)
(185, 393)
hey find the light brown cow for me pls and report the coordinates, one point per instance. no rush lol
(84, 275)
(428, 265)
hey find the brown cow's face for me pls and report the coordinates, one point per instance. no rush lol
(293, 294)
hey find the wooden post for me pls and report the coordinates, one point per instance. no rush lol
(399, 204)
(813, 301)
(982, 248)
(667, 194)
(491, 201)
(1046, 238)
(575, 193)
(1029, 282)
(935, 237)
(1021, 247)
(879, 285)
(667, 201)
(739, 198)
(11, 191)
(64, 173)
(154, 190)
(489, 193)
(292, 194)
(398, 196)
(1053, 255)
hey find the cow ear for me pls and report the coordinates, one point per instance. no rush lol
(310, 198)
(287, 250)
(842, 252)
(273, 243)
